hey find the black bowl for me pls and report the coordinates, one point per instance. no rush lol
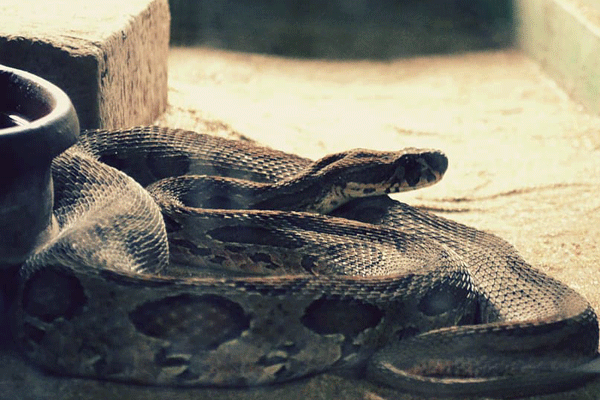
(37, 122)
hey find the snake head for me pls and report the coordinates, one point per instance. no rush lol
(361, 173)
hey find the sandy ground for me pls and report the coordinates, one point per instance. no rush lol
(524, 164)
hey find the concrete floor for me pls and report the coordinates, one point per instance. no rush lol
(524, 164)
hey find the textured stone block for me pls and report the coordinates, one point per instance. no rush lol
(110, 57)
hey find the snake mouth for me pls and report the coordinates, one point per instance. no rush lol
(413, 170)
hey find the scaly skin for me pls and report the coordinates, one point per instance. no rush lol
(240, 265)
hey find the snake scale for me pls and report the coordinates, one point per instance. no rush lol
(179, 258)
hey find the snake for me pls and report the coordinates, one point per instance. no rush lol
(183, 259)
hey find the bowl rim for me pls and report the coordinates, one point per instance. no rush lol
(43, 137)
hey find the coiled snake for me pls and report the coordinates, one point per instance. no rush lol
(229, 264)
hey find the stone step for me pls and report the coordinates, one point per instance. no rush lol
(110, 57)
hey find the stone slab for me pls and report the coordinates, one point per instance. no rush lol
(110, 57)
(564, 37)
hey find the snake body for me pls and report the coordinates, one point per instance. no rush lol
(183, 259)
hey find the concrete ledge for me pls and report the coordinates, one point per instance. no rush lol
(110, 57)
(564, 37)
